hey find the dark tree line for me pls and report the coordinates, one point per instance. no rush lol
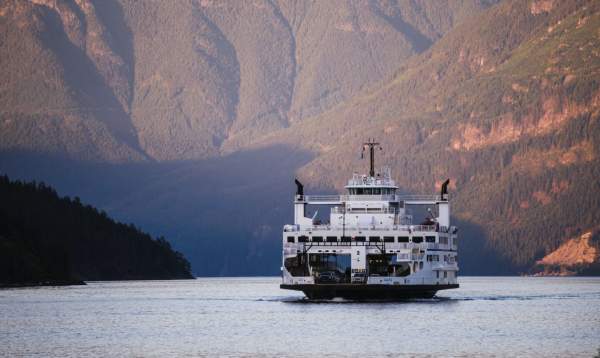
(48, 239)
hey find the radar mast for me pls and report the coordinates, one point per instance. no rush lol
(371, 145)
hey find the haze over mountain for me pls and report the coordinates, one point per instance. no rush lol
(191, 118)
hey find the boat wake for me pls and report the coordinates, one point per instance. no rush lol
(528, 297)
(434, 300)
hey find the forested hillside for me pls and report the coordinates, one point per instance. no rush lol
(170, 80)
(515, 127)
(46, 239)
(186, 115)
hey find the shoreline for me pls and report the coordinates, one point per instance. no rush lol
(42, 284)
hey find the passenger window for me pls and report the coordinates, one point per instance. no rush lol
(388, 239)
(430, 238)
(303, 239)
(332, 239)
(291, 239)
(417, 239)
(317, 239)
(402, 238)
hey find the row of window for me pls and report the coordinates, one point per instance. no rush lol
(372, 191)
(400, 239)
(446, 258)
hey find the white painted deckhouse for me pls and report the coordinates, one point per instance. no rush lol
(370, 247)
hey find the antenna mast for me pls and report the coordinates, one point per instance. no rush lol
(371, 144)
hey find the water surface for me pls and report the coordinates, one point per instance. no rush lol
(487, 316)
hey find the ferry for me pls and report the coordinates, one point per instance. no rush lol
(370, 248)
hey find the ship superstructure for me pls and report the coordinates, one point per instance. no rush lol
(370, 247)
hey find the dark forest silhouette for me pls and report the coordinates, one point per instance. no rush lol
(46, 239)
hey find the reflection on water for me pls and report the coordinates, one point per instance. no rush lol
(339, 300)
(238, 317)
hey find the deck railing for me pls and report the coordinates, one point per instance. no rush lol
(349, 228)
(342, 198)
(340, 210)
(345, 243)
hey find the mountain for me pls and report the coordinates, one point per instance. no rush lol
(124, 81)
(193, 117)
(46, 239)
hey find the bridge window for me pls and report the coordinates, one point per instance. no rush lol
(417, 239)
(317, 238)
(291, 239)
(388, 239)
(374, 238)
(429, 238)
(303, 239)
(402, 238)
(332, 239)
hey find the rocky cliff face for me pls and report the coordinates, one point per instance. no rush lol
(575, 256)
(502, 98)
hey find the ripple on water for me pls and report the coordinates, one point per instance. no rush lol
(252, 317)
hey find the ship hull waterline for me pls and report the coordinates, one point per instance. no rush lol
(367, 292)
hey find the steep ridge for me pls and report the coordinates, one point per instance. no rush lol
(264, 46)
(186, 80)
(64, 90)
(134, 80)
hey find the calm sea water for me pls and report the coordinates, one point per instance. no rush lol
(252, 317)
